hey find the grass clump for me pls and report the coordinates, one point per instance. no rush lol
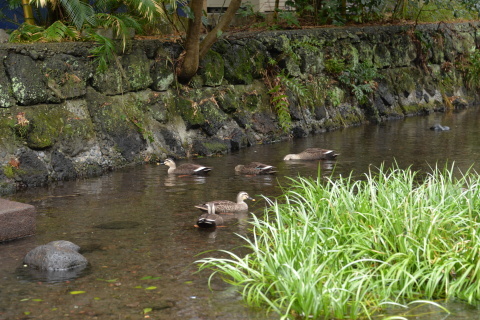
(347, 248)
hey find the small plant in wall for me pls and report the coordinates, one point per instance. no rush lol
(279, 100)
(360, 79)
(471, 69)
(20, 125)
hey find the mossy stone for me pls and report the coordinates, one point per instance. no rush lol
(162, 73)
(47, 123)
(190, 112)
(238, 66)
(29, 85)
(67, 75)
(212, 69)
(137, 69)
(6, 98)
(121, 120)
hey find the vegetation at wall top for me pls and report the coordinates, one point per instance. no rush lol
(81, 20)
(347, 248)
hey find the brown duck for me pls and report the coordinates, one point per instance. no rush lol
(186, 168)
(255, 168)
(312, 154)
(227, 206)
(210, 219)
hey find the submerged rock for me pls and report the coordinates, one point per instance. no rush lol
(58, 255)
(439, 127)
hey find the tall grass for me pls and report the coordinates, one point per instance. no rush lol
(345, 248)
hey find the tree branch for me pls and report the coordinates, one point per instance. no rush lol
(224, 22)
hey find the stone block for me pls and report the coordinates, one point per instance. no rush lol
(17, 220)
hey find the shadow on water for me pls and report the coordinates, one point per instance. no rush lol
(136, 226)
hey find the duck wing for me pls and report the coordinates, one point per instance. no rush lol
(258, 168)
(192, 168)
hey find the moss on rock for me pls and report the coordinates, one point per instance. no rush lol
(212, 69)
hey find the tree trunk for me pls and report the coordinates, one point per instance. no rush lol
(188, 65)
(224, 22)
(194, 50)
(28, 12)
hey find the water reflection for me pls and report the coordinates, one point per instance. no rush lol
(162, 240)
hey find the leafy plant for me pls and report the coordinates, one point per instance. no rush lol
(279, 100)
(361, 80)
(104, 52)
(289, 18)
(346, 248)
(54, 33)
(334, 66)
(472, 70)
(247, 10)
(21, 126)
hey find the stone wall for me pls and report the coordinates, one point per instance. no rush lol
(61, 119)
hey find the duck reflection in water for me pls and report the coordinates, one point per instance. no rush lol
(173, 180)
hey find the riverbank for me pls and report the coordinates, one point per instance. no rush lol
(62, 120)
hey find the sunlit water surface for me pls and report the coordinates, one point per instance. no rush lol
(136, 225)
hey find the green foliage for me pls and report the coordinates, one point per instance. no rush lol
(335, 66)
(9, 171)
(55, 33)
(361, 80)
(280, 102)
(296, 87)
(471, 69)
(104, 53)
(346, 248)
(247, 10)
(120, 23)
(289, 18)
(339, 12)
(291, 47)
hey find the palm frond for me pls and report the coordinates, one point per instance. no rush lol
(104, 53)
(27, 32)
(58, 32)
(149, 9)
(79, 12)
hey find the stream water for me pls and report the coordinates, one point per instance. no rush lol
(136, 225)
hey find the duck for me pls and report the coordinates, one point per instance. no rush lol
(186, 168)
(227, 206)
(210, 219)
(255, 168)
(313, 154)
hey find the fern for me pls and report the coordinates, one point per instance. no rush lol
(472, 70)
(297, 87)
(360, 79)
(280, 101)
(58, 32)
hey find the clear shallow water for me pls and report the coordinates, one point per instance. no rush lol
(135, 225)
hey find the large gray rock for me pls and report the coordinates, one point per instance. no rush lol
(29, 85)
(17, 220)
(56, 255)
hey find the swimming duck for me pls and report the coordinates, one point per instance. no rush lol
(255, 168)
(210, 219)
(227, 206)
(186, 168)
(312, 154)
